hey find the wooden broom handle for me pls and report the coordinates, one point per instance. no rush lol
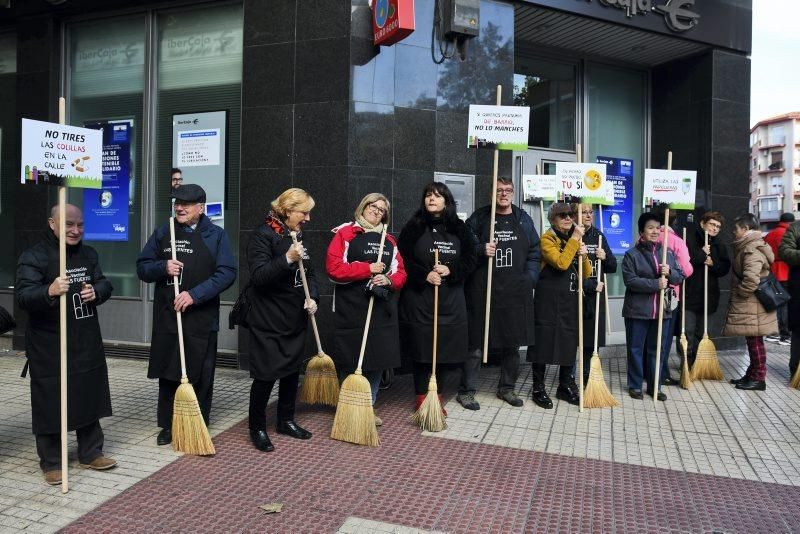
(308, 296)
(683, 296)
(62, 315)
(369, 309)
(597, 300)
(605, 279)
(490, 259)
(177, 292)
(664, 246)
(705, 292)
(579, 159)
(435, 316)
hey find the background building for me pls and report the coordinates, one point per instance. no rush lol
(311, 102)
(775, 168)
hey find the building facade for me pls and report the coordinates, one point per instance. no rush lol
(775, 168)
(310, 102)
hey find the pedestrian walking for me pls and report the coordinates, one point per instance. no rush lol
(781, 271)
(515, 249)
(643, 275)
(38, 287)
(752, 261)
(354, 267)
(278, 317)
(205, 267)
(435, 226)
(556, 305)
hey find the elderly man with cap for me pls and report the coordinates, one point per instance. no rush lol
(38, 288)
(205, 267)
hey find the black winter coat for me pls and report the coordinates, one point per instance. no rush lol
(695, 239)
(88, 395)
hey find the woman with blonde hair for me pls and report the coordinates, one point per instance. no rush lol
(277, 317)
(354, 266)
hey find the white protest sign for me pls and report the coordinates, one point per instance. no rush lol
(539, 187)
(583, 183)
(674, 188)
(500, 127)
(58, 154)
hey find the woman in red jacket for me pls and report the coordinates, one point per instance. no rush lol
(353, 265)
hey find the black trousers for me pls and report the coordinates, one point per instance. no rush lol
(260, 390)
(203, 388)
(509, 370)
(422, 375)
(90, 446)
(794, 352)
(587, 361)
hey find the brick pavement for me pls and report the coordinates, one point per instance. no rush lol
(707, 459)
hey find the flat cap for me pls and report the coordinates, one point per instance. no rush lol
(189, 193)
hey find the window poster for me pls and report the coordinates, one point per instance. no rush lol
(618, 218)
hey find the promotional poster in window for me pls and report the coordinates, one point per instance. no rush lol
(617, 222)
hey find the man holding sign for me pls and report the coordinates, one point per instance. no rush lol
(515, 249)
(38, 287)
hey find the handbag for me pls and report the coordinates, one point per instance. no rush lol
(6, 321)
(240, 309)
(670, 299)
(770, 293)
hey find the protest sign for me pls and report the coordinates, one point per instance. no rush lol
(674, 188)
(539, 187)
(57, 154)
(500, 127)
(583, 183)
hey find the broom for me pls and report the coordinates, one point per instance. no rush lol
(189, 432)
(686, 374)
(706, 365)
(597, 394)
(429, 416)
(355, 419)
(795, 382)
(320, 385)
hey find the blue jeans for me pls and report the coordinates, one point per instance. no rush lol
(640, 337)
(374, 378)
(666, 347)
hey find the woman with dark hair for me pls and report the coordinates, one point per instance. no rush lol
(642, 272)
(435, 226)
(752, 261)
(555, 305)
(353, 265)
(278, 314)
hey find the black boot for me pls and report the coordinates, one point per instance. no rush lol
(164, 437)
(261, 440)
(568, 392)
(292, 429)
(540, 397)
(752, 385)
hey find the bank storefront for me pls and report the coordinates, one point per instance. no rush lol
(300, 96)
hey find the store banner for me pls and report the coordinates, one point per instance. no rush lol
(500, 127)
(536, 187)
(392, 21)
(583, 183)
(58, 154)
(676, 189)
(617, 223)
(198, 149)
(105, 212)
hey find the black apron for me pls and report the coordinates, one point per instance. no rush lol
(556, 314)
(198, 319)
(278, 321)
(591, 240)
(88, 395)
(350, 312)
(416, 305)
(511, 321)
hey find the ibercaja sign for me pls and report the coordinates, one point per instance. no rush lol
(392, 20)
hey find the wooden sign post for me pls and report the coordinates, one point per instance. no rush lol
(62, 312)
(490, 259)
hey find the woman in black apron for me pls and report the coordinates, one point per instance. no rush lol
(352, 264)
(278, 316)
(435, 226)
(556, 305)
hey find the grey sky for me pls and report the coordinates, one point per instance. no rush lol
(775, 85)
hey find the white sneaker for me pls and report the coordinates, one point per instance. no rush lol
(784, 342)
(772, 339)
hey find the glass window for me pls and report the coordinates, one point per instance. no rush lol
(548, 88)
(106, 83)
(200, 70)
(615, 123)
(9, 150)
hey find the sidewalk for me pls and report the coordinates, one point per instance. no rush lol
(709, 459)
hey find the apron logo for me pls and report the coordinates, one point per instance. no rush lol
(298, 280)
(503, 258)
(81, 309)
(170, 280)
(573, 286)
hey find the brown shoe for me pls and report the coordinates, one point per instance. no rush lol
(378, 421)
(101, 463)
(53, 477)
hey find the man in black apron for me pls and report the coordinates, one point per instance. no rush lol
(205, 268)
(515, 249)
(38, 288)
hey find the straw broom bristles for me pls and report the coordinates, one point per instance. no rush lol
(706, 366)
(189, 431)
(355, 419)
(795, 382)
(686, 374)
(430, 417)
(320, 385)
(597, 394)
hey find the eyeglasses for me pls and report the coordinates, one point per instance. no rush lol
(714, 225)
(505, 191)
(585, 213)
(564, 215)
(377, 209)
